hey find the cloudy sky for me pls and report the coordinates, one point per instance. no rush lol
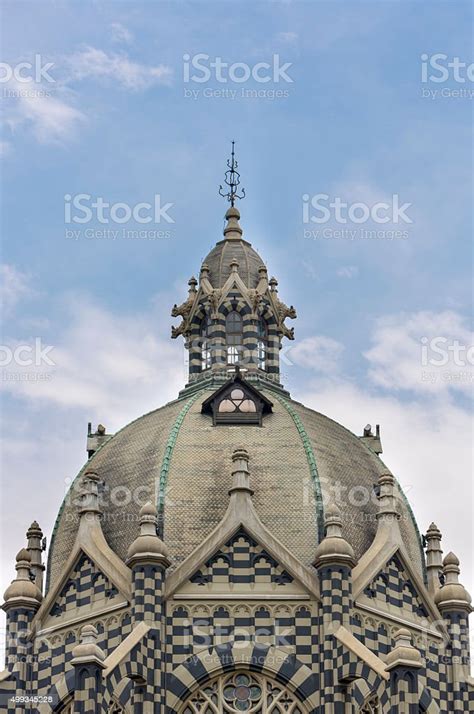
(329, 103)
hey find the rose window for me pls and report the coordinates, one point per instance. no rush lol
(243, 692)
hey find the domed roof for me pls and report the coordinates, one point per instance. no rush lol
(233, 248)
(176, 455)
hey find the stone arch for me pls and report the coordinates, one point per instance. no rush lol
(187, 677)
(363, 681)
(426, 701)
(120, 687)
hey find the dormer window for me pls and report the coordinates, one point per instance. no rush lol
(234, 336)
(237, 402)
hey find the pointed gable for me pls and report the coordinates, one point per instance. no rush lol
(242, 561)
(242, 566)
(85, 590)
(393, 586)
(86, 587)
(394, 589)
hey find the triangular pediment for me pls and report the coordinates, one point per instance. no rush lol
(86, 590)
(393, 587)
(242, 566)
(94, 580)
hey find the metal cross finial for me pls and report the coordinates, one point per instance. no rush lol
(232, 179)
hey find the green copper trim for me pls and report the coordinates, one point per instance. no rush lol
(169, 448)
(88, 465)
(311, 463)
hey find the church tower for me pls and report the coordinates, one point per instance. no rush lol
(233, 550)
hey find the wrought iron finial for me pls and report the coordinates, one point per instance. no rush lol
(232, 179)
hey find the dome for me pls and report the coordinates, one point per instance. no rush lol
(177, 451)
(233, 248)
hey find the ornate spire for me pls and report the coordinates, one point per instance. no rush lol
(452, 595)
(434, 557)
(334, 548)
(90, 495)
(240, 473)
(35, 548)
(147, 546)
(22, 592)
(388, 511)
(232, 179)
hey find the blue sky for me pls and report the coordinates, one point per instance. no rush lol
(354, 124)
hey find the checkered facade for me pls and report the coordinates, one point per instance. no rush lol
(147, 592)
(393, 586)
(88, 689)
(241, 560)
(85, 586)
(189, 641)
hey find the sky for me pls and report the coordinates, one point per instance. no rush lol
(352, 123)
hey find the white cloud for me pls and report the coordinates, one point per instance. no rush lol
(347, 271)
(49, 108)
(117, 68)
(14, 286)
(52, 117)
(103, 363)
(416, 351)
(318, 353)
(121, 33)
(427, 444)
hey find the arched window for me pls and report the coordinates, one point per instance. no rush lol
(206, 359)
(241, 692)
(234, 336)
(262, 344)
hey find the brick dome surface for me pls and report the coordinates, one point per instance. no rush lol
(175, 455)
